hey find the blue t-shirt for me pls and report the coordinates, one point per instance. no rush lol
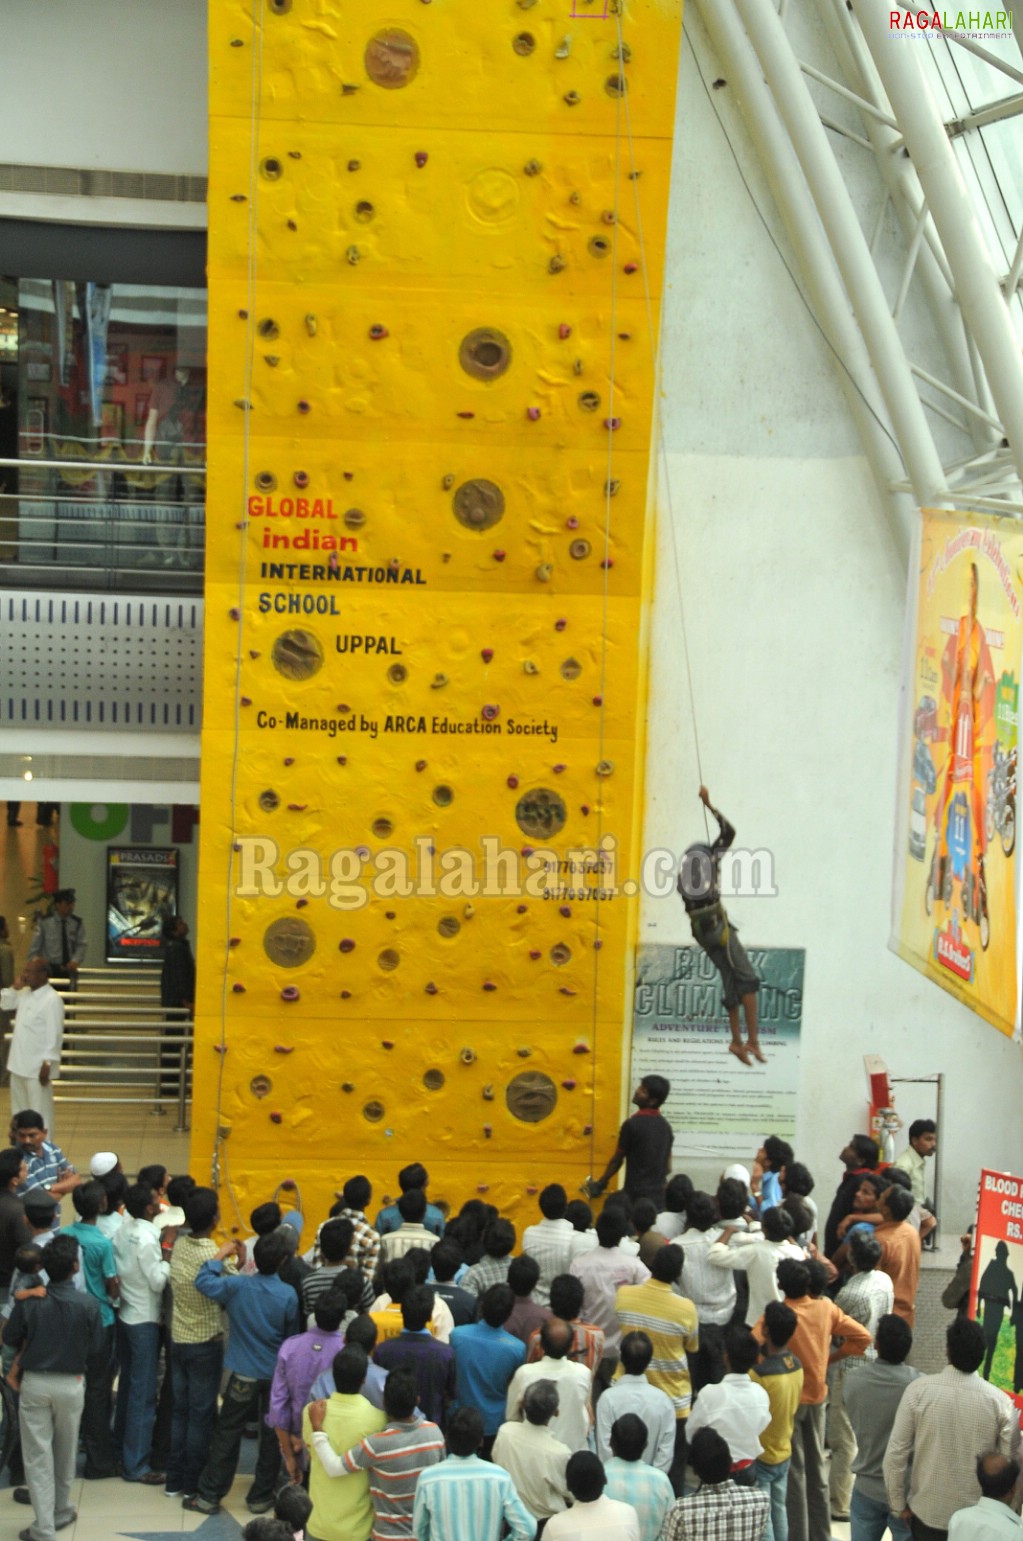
(98, 1265)
(486, 1358)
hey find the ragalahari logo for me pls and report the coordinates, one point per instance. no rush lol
(978, 25)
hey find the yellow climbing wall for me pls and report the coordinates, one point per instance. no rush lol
(436, 256)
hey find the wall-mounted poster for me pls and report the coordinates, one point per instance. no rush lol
(955, 911)
(996, 1287)
(142, 892)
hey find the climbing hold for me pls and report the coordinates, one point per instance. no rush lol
(364, 211)
(563, 49)
(235, 614)
(614, 85)
(466, 414)
(606, 768)
(598, 700)
(389, 959)
(301, 478)
(354, 518)
(220, 1048)
(448, 481)
(244, 700)
(523, 1052)
(611, 488)
(520, 909)
(488, 1093)
(260, 1085)
(397, 674)
(607, 561)
(421, 158)
(587, 1128)
(589, 401)
(468, 910)
(347, 88)
(567, 990)
(584, 809)
(269, 800)
(266, 481)
(612, 424)
(277, 1118)
(378, 333)
(579, 549)
(468, 1056)
(387, 1043)
(609, 216)
(533, 413)
(431, 988)
(486, 654)
(303, 406)
(523, 44)
(570, 1085)
(292, 225)
(571, 669)
(556, 264)
(347, 1086)
(565, 910)
(631, 267)
(239, 989)
(487, 1131)
(574, 199)
(560, 625)
(290, 993)
(346, 995)
(499, 556)
(544, 573)
(564, 330)
(443, 796)
(342, 759)
(354, 165)
(238, 198)
(242, 404)
(572, 523)
(582, 1047)
(561, 954)
(284, 1048)
(235, 941)
(513, 782)
(482, 1187)
(346, 945)
(297, 807)
(535, 954)
(438, 682)
(529, 667)
(352, 255)
(598, 246)
(489, 713)
(571, 98)
(622, 52)
(420, 765)
(558, 769)
(488, 984)
(532, 168)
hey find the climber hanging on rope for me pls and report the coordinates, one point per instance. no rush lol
(698, 885)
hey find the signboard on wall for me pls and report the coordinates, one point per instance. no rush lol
(996, 1286)
(955, 914)
(718, 1107)
(142, 892)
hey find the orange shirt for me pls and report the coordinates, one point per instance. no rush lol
(900, 1260)
(817, 1322)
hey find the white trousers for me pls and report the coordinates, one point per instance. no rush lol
(27, 1092)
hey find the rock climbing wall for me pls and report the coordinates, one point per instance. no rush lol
(436, 243)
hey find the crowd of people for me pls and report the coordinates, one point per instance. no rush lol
(676, 1368)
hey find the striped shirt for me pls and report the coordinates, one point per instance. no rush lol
(394, 1459)
(587, 1345)
(645, 1488)
(465, 1498)
(671, 1324)
(551, 1245)
(489, 1270)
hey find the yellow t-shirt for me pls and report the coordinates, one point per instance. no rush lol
(672, 1325)
(342, 1507)
(781, 1376)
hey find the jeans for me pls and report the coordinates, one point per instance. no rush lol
(775, 1481)
(922, 1532)
(244, 1400)
(196, 1370)
(139, 1348)
(100, 1455)
(677, 1471)
(869, 1519)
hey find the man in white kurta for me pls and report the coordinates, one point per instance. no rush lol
(34, 1058)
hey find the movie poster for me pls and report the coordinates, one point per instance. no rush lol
(142, 892)
(996, 1288)
(954, 904)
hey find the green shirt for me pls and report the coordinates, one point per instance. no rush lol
(342, 1507)
(98, 1265)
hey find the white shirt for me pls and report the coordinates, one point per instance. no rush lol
(712, 1290)
(634, 1394)
(142, 1271)
(38, 1029)
(988, 1520)
(670, 1223)
(759, 1258)
(571, 1422)
(605, 1520)
(603, 1273)
(550, 1244)
(536, 1463)
(739, 1410)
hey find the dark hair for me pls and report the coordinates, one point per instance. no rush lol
(350, 1367)
(629, 1435)
(921, 1126)
(497, 1305)
(865, 1148)
(357, 1192)
(893, 1174)
(28, 1118)
(156, 1176)
(524, 1275)
(417, 1308)
(779, 1322)
(894, 1339)
(116, 1184)
(361, 1332)
(464, 1432)
(201, 1210)
(610, 1228)
(138, 1199)
(800, 1214)
(778, 1152)
(418, 1259)
(39, 1208)
(798, 1179)
(398, 1279)
(336, 1240)
(793, 1278)
(29, 1257)
(636, 1352)
(89, 1199)
(556, 1338)
(701, 1213)
(666, 1264)
(265, 1218)
(10, 1164)
(620, 1201)
(732, 1198)
(330, 1309)
(899, 1202)
(540, 1402)
(270, 1252)
(996, 1473)
(294, 1506)
(865, 1251)
(710, 1457)
(742, 1349)
(400, 1393)
(579, 1214)
(412, 1206)
(658, 1089)
(267, 1527)
(566, 1296)
(499, 1238)
(964, 1343)
(644, 1216)
(60, 1258)
(777, 1223)
(414, 1176)
(180, 1190)
(446, 1259)
(553, 1201)
(820, 1278)
(678, 1193)
(585, 1476)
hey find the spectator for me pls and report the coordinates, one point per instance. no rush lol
(389, 1218)
(398, 1277)
(737, 1407)
(465, 1497)
(671, 1221)
(923, 1142)
(943, 1422)
(719, 1510)
(797, 1182)
(360, 1333)
(552, 1242)
(858, 1157)
(46, 1164)
(300, 1362)
(630, 1480)
(446, 1262)
(872, 1400)
(342, 1507)
(900, 1249)
(486, 1358)
(499, 1244)
(14, 1229)
(566, 1304)
(649, 1238)
(592, 1512)
(711, 1289)
(670, 1322)
(395, 1457)
(335, 1244)
(262, 1311)
(532, 1456)
(603, 1272)
(364, 1253)
(580, 1217)
(781, 1376)
(99, 1270)
(774, 1156)
(758, 1258)
(143, 1275)
(294, 1506)
(866, 1297)
(430, 1362)
(528, 1315)
(633, 1393)
(574, 1418)
(994, 1513)
(412, 1232)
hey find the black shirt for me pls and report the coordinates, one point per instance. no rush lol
(645, 1140)
(15, 1232)
(460, 1303)
(59, 1332)
(842, 1205)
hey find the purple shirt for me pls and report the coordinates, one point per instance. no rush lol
(299, 1362)
(526, 1317)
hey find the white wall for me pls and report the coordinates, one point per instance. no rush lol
(794, 597)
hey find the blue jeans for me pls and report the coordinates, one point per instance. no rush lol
(868, 1519)
(195, 1371)
(775, 1482)
(139, 1350)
